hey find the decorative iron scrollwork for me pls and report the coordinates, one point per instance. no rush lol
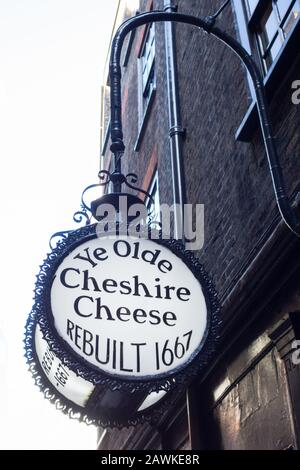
(129, 180)
(60, 236)
(79, 216)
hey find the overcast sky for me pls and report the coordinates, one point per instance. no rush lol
(52, 54)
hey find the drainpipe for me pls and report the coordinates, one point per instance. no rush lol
(176, 131)
(177, 134)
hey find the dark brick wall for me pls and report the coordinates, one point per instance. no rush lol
(250, 404)
(254, 414)
(232, 180)
(155, 139)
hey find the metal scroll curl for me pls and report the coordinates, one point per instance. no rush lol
(79, 216)
(105, 177)
(58, 236)
(84, 214)
(129, 180)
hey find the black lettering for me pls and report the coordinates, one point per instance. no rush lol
(168, 290)
(63, 277)
(165, 264)
(86, 279)
(77, 336)
(137, 285)
(76, 306)
(169, 317)
(70, 328)
(138, 356)
(87, 342)
(125, 285)
(101, 307)
(121, 314)
(109, 283)
(114, 354)
(136, 250)
(139, 313)
(86, 258)
(157, 356)
(97, 347)
(117, 248)
(153, 256)
(99, 252)
(156, 318)
(122, 359)
(158, 289)
(183, 291)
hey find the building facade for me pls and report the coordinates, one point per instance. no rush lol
(192, 134)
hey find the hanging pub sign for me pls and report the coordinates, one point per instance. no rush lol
(129, 307)
(119, 326)
(119, 319)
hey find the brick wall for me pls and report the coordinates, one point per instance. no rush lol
(232, 180)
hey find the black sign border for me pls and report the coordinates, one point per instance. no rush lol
(182, 374)
(87, 414)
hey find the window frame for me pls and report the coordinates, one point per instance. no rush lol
(254, 21)
(145, 101)
(275, 74)
(154, 186)
(148, 63)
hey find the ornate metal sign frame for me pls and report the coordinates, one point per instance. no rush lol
(41, 314)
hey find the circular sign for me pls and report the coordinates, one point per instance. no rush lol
(129, 306)
(119, 319)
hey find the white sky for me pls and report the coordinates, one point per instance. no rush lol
(51, 56)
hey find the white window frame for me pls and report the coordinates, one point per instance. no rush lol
(146, 69)
(242, 19)
(154, 208)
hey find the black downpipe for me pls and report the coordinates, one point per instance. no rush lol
(176, 134)
(176, 131)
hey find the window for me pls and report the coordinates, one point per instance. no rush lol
(147, 80)
(271, 22)
(268, 29)
(252, 4)
(147, 67)
(153, 206)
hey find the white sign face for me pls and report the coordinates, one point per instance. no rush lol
(76, 389)
(129, 306)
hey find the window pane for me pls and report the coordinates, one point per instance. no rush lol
(269, 26)
(283, 6)
(252, 5)
(154, 208)
(148, 60)
(273, 23)
(147, 73)
(276, 47)
(292, 18)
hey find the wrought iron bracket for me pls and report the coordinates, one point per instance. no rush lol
(207, 24)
